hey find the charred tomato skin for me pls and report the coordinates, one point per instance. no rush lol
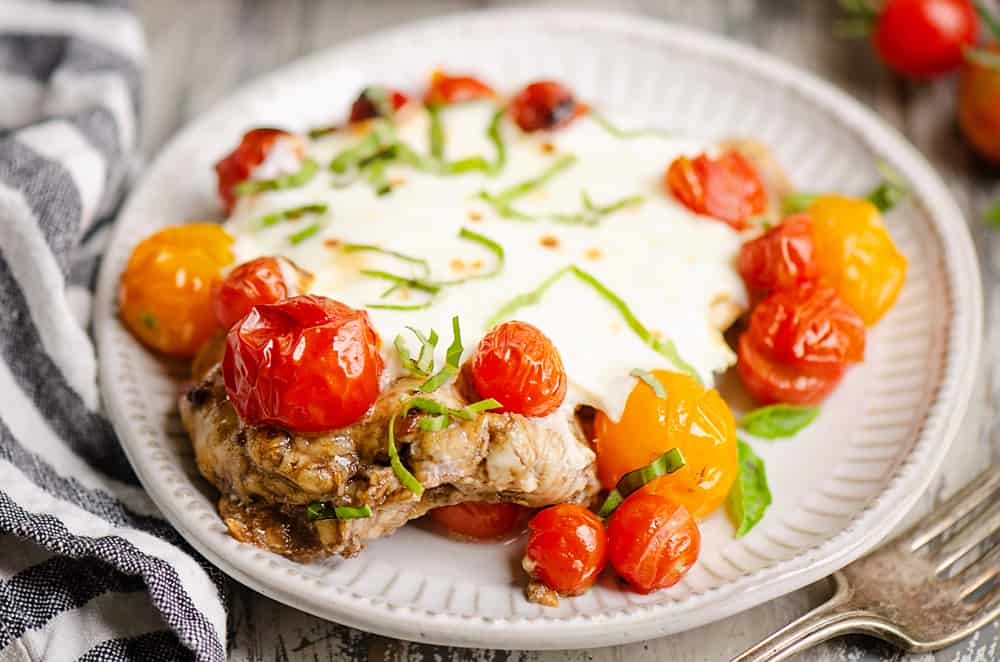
(518, 365)
(567, 548)
(652, 541)
(364, 108)
(306, 364)
(544, 105)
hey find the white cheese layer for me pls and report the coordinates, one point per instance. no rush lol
(668, 265)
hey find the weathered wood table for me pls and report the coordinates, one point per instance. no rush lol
(200, 51)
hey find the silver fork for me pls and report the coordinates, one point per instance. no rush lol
(913, 592)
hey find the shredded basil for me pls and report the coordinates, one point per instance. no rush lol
(795, 203)
(452, 358)
(493, 133)
(665, 464)
(296, 179)
(664, 347)
(750, 495)
(501, 201)
(593, 213)
(480, 163)
(293, 213)
(319, 511)
(419, 261)
(777, 421)
(408, 480)
(304, 233)
(992, 215)
(651, 381)
(436, 131)
(381, 136)
(423, 365)
(626, 134)
(468, 412)
(491, 246)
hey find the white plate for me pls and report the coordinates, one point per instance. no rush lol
(838, 489)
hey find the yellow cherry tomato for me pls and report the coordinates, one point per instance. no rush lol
(856, 254)
(165, 296)
(692, 418)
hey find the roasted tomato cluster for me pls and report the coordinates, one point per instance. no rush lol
(820, 277)
(726, 187)
(446, 88)
(545, 105)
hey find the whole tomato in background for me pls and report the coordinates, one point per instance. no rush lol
(979, 101)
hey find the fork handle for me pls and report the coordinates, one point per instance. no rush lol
(823, 623)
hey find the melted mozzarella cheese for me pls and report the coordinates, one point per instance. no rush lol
(669, 265)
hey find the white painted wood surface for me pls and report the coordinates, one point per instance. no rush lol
(200, 51)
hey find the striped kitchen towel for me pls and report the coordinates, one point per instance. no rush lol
(88, 567)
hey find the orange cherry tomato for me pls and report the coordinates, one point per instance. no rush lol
(519, 366)
(567, 548)
(652, 541)
(694, 419)
(263, 280)
(307, 364)
(856, 254)
(364, 108)
(482, 521)
(545, 104)
(165, 295)
(979, 106)
(445, 89)
(727, 187)
(781, 258)
(238, 165)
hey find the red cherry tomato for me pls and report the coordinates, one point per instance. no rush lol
(652, 541)
(482, 521)
(545, 104)
(979, 106)
(252, 283)
(519, 366)
(364, 108)
(445, 89)
(782, 258)
(239, 164)
(727, 188)
(924, 38)
(307, 364)
(567, 548)
(769, 381)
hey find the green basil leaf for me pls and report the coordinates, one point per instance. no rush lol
(652, 381)
(436, 131)
(402, 473)
(593, 213)
(750, 496)
(626, 134)
(293, 213)
(434, 423)
(992, 215)
(468, 412)
(891, 191)
(665, 464)
(452, 358)
(777, 421)
(291, 180)
(304, 233)
(491, 246)
(795, 203)
(422, 263)
(318, 511)
(501, 201)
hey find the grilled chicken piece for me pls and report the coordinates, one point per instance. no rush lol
(268, 476)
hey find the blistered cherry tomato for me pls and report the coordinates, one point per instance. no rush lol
(770, 381)
(445, 89)
(519, 366)
(694, 419)
(652, 541)
(165, 296)
(727, 187)
(482, 521)
(364, 108)
(239, 164)
(263, 280)
(924, 38)
(856, 254)
(545, 104)
(781, 258)
(307, 364)
(567, 548)
(979, 106)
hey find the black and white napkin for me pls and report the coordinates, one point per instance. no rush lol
(88, 568)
